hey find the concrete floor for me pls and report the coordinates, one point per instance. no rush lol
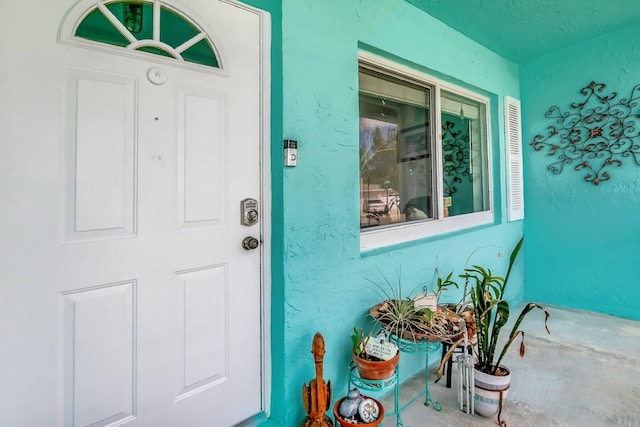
(586, 373)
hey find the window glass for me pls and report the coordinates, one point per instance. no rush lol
(396, 183)
(464, 157)
(98, 28)
(178, 37)
(415, 182)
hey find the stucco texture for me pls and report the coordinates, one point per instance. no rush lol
(582, 239)
(324, 274)
(521, 30)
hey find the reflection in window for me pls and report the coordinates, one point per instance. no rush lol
(464, 157)
(402, 181)
(395, 152)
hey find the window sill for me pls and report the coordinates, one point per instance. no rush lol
(371, 240)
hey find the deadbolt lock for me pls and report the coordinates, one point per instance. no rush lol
(249, 212)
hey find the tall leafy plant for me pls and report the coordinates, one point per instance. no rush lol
(492, 313)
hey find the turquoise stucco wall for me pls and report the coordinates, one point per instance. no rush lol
(318, 272)
(322, 269)
(582, 240)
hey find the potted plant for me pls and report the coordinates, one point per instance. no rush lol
(374, 357)
(415, 318)
(358, 410)
(492, 313)
(455, 311)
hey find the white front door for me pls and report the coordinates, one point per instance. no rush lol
(126, 296)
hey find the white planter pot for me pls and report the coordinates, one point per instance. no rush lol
(488, 387)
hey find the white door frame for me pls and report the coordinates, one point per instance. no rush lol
(265, 174)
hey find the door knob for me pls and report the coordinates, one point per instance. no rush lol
(250, 243)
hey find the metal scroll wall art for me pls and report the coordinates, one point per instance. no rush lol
(595, 135)
(455, 154)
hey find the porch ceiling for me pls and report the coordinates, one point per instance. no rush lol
(521, 30)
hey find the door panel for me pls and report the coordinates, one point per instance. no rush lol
(201, 158)
(99, 155)
(131, 299)
(202, 363)
(103, 370)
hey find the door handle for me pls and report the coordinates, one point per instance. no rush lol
(250, 243)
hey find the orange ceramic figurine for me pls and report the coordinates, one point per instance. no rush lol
(317, 396)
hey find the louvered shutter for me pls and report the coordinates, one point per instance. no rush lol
(513, 136)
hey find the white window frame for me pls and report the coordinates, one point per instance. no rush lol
(375, 238)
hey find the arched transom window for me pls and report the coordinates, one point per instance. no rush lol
(148, 26)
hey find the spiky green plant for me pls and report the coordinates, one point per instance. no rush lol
(492, 313)
(443, 284)
(400, 317)
(359, 340)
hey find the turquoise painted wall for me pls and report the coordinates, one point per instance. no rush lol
(322, 269)
(318, 273)
(582, 240)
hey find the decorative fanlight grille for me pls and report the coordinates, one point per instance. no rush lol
(149, 26)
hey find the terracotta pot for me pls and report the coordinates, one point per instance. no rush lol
(370, 370)
(488, 387)
(345, 423)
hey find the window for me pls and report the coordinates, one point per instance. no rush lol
(424, 156)
(148, 26)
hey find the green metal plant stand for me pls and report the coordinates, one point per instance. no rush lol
(376, 385)
(420, 347)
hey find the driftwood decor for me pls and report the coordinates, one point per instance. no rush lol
(316, 397)
(595, 135)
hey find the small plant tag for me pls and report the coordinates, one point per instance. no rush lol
(379, 347)
(429, 301)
